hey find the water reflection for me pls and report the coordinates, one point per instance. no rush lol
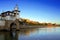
(41, 34)
(14, 35)
(8, 36)
(32, 34)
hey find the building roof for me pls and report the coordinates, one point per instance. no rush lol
(15, 10)
(7, 12)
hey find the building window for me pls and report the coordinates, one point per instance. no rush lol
(3, 15)
(14, 14)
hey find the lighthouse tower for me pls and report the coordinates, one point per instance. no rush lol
(16, 11)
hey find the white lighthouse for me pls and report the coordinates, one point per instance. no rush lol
(16, 10)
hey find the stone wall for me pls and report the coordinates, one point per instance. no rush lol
(2, 23)
(9, 22)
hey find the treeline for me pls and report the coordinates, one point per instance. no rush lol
(29, 22)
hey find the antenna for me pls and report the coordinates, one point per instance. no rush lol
(16, 7)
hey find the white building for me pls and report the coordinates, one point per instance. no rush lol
(9, 15)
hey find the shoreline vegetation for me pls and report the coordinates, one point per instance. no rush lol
(29, 23)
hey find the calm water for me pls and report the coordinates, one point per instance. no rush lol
(32, 34)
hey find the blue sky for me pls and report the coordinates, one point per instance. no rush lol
(37, 10)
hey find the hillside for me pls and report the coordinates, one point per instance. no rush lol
(35, 23)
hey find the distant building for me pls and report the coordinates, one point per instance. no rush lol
(9, 19)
